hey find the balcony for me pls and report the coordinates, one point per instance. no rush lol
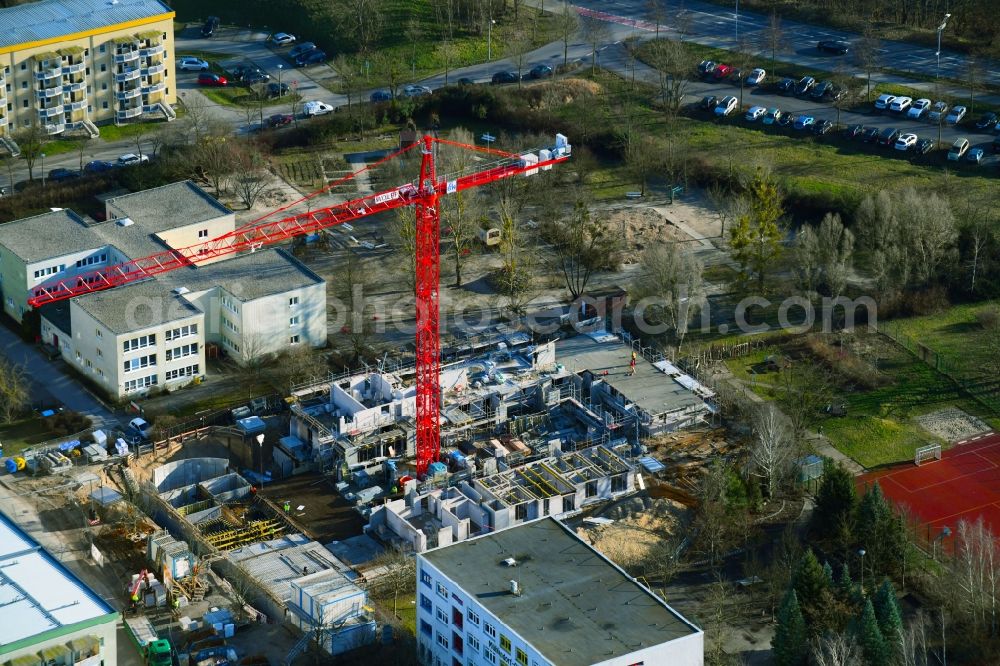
(55, 128)
(152, 51)
(74, 69)
(130, 93)
(76, 106)
(51, 111)
(75, 87)
(43, 74)
(155, 87)
(154, 69)
(125, 114)
(128, 56)
(46, 93)
(127, 75)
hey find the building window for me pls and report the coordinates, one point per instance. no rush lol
(137, 384)
(442, 591)
(521, 512)
(98, 333)
(294, 340)
(504, 643)
(189, 371)
(294, 300)
(182, 352)
(473, 617)
(618, 484)
(425, 628)
(140, 362)
(203, 233)
(294, 321)
(425, 603)
(442, 641)
(140, 342)
(182, 332)
(104, 68)
(456, 643)
(591, 490)
(491, 656)
(489, 630)
(521, 657)
(90, 261)
(230, 325)
(457, 599)
(457, 617)
(441, 615)
(425, 578)
(24, 65)
(102, 48)
(229, 305)
(473, 643)
(104, 105)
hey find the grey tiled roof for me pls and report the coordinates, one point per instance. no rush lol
(248, 276)
(49, 19)
(136, 306)
(48, 236)
(168, 207)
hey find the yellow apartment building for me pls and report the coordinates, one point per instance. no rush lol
(71, 64)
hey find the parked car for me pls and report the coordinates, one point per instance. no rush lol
(709, 102)
(98, 166)
(956, 115)
(314, 57)
(706, 67)
(883, 102)
(822, 127)
(722, 71)
(804, 122)
(785, 119)
(540, 72)
(381, 96)
(317, 108)
(465, 81)
(280, 119)
(505, 76)
(854, 131)
(755, 113)
(415, 90)
(277, 89)
(975, 155)
(282, 38)
(821, 90)
(756, 77)
(901, 104)
(988, 121)
(888, 136)
(772, 116)
(925, 146)
(140, 427)
(833, 47)
(786, 86)
(736, 76)
(726, 106)
(300, 49)
(60, 175)
(804, 85)
(870, 135)
(254, 78)
(906, 141)
(937, 112)
(211, 24)
(918, 109)
(209, 79)
(131, 159)
(191, 64)
(958, 149)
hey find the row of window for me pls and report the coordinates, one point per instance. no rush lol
(189, 371)
(138, 384)
(49, 270)
(91, 260)
(141, 362)
(182, 351)
(230, 325)
(140, 342)
(229, 305)
(182, 332)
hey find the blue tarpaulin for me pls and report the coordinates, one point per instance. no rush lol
(651, 465)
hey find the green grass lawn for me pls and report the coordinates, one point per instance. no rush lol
(243, 97)
(21, 434)
(406, 609)
(955, 334)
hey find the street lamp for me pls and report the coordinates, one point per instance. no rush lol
(43, 169)
(489, 40)
(260, 444)
(280, 67)
(861, 552)
(940, 29)
(737, 22)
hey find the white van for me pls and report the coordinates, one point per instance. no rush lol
(958, 149)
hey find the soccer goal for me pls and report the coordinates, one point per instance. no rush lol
(927, 453)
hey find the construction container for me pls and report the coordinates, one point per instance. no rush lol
(437, 469)
(177, 559)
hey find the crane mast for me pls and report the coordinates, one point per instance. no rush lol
(424, 196)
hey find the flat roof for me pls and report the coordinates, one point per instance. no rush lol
(247, 276)
(49, 235)
(37, 593)
(168, 207)
(136, 306)
(52, 19)
(650, 388)
(575, 607)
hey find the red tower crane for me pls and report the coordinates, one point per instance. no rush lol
(422, 195)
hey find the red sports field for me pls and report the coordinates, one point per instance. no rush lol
(964, 484)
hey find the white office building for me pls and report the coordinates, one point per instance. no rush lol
(537, 595)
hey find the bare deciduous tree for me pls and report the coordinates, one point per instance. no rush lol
(822, 256)
(582, 246)
(397, 575)
(836, 649)
(867, 55)
(14, 392)
(32, 141)
(250, 177)
(365, 20)
(772, 448)
(596, 33)
(215, 156)
(567, 23)
(462, 212)
(670, 286)
(773, 38)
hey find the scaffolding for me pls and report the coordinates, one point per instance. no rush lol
(224, 535)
